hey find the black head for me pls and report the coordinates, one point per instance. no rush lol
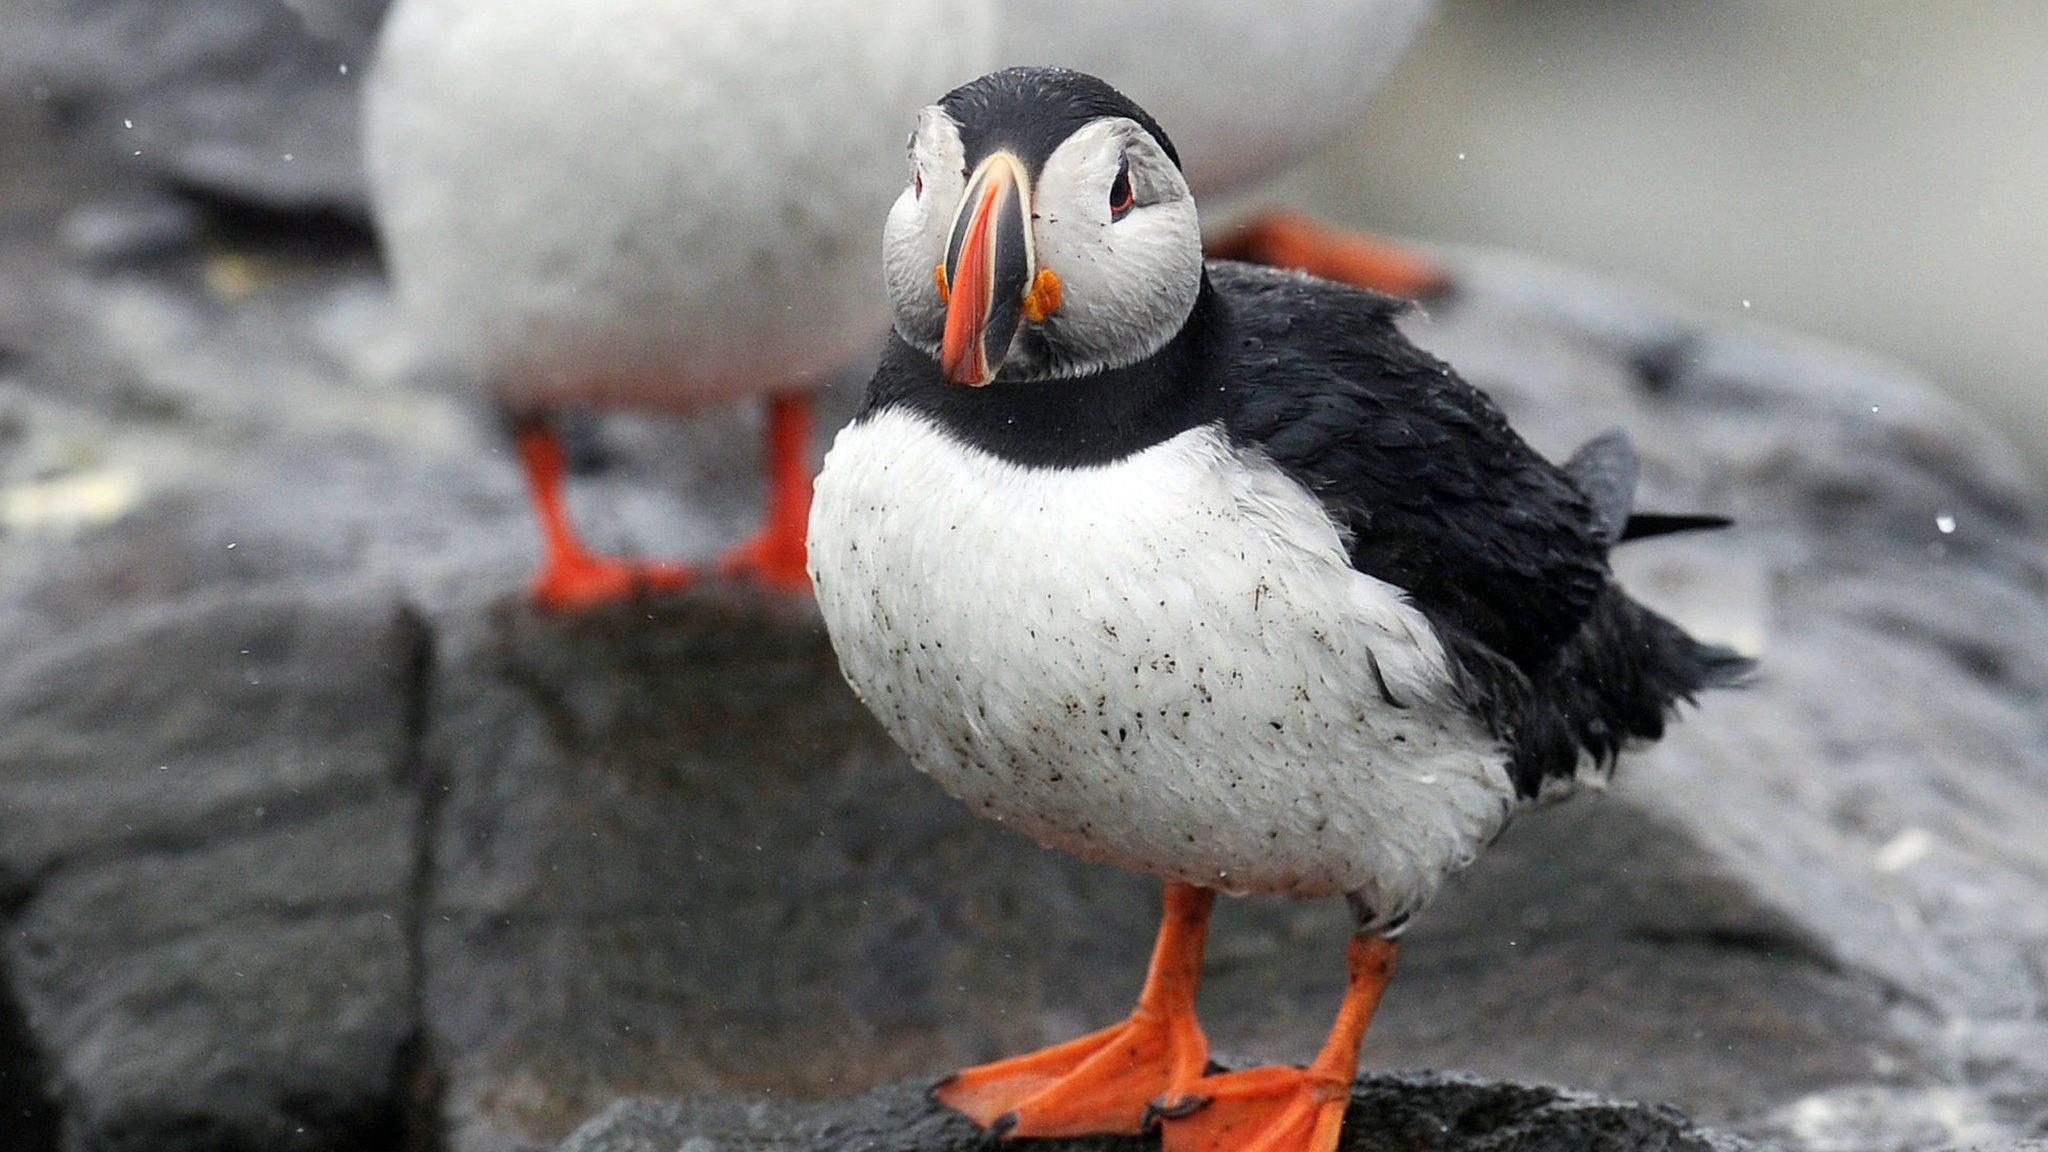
(1032, 111)
(1047, 231)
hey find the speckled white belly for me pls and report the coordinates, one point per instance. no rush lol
(1166, 662)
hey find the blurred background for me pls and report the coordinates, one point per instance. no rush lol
(1869, 170)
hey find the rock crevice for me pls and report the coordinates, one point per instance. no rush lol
(417, 1083)
(30, 1119)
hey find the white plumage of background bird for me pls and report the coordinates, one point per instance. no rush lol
(650, 203)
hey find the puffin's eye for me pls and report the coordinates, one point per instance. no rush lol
(1121, 198)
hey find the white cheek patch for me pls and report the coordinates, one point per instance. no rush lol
(1073, 185)
(914, 239)
(1128, 284)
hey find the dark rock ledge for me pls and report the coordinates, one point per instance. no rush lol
(1398, 1112)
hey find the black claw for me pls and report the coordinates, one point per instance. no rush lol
(943, 1082)
(1179, 1109)
(1002, 1125)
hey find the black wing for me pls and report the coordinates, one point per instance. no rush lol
(1437, 494)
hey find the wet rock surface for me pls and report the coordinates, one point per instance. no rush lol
(311, 836)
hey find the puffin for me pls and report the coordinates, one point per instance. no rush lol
(1202, 569)
(660, 204)
(1295, 73)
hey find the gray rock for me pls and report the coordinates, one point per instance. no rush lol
(115, 232)
(610, 908)
(1424, 1112)
(208, 812)
(1887, 785)
(164, 729)
(252, 100)
(1888, 1120)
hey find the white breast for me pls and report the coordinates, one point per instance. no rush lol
(651, 201)
(1244, 89)
(1166, 662)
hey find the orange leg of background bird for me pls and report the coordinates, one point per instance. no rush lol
(1292, 240)
(775, 556)
(571, 577)
(1104, 1082)
(1286, 1109)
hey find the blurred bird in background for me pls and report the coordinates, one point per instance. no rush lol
(666, 204)
(670, 204)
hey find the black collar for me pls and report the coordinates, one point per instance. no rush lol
(1074, 422)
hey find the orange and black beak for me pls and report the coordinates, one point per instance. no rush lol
(989, 271)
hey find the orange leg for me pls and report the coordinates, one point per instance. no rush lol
(1292, 240)
(1105, 1081)
(775, 556)
(571, 577)
(1286, 1109)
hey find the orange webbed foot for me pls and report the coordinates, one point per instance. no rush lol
(571, 577)
(1284, 1109)
(774, 559)
(1257, 1110)
(1097, 1084)
(1105, 1082)
(580, 582)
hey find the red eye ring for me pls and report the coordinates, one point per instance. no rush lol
(1122, 197)
(917, 183)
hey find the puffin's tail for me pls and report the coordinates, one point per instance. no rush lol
(1628, 670)
(1631, 667)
